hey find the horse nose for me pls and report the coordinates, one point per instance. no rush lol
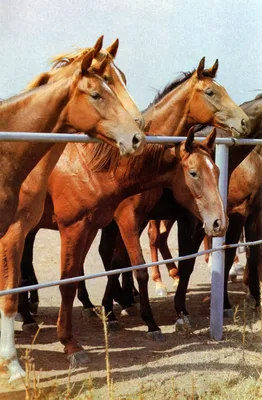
(137, 140)
(217, 225)
(245, 124)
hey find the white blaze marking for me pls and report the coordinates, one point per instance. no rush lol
(121, 80)
(210, 164)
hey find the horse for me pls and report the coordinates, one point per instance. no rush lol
(182, 99)
(244, 209)
(82, 103)
(65, 65)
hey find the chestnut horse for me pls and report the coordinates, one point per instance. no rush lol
(65, 65)
(80, 103)
(176, 108)
(244, 210)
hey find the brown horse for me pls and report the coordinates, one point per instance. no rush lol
(244, 208)
(80, 103)
(182, 99)
(107, 187)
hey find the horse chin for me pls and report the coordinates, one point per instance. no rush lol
(212, 233)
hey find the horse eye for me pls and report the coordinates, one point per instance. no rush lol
(209, 92)
(95, 96)
(193, 174)
(106, 78)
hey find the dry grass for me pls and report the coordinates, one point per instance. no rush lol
(237, 388)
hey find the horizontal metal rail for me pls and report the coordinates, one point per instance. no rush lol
(82, 138)
(121, 270)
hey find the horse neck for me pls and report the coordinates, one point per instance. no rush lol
(151, 169)
(170, 115)
(36, 111)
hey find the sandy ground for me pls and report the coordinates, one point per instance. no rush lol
(182, 362)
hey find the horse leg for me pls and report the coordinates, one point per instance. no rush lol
(74, 239)
(207, 246)
(11, 250)
(164, 249)
(253, 232)
(28, 278)
(236, 222)
(129, 228)
(189, 240)
(153, 234)
(113, 289)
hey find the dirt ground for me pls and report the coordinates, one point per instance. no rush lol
(140, 368)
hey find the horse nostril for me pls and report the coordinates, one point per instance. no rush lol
(140, 122)
(136, 139)
(217, 225)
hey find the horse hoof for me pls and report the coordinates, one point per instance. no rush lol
(113, 326)
(228, 313)
(156, 336)
(19, 318)
(129, 312)
(89, 313)
(33, 307)
(161, 291)
(175, 283)
(183, 324)
(31, 328)
(79, 359)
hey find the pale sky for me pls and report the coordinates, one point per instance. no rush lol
(158, 40)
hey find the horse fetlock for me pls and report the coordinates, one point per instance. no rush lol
(89, 313)
(33, 307)
(31, 328)
(129, 311)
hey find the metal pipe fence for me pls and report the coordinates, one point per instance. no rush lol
(217, 281)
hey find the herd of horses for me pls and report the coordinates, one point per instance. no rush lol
(81, 188)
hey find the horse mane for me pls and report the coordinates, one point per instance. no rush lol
(63, 59)
(259, 96)
(184, 76)
(60, 61)
(169, 87)
(105, 158)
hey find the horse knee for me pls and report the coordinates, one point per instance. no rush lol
(142, 276)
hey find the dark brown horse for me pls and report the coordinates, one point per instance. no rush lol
(80, 103)
(77, 218)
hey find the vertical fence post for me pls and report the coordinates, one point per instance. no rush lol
(218, 257)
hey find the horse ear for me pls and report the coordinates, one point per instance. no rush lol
(190, 139)
(100, 67)
(147, 127)
(209, 142)
(213, 70)
(112, 50)
(98, 45)
(87, 61)
(200, 68)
